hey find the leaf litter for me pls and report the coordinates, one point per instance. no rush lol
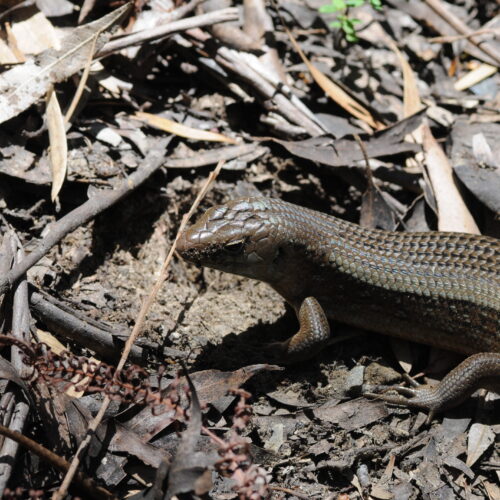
(419, 89)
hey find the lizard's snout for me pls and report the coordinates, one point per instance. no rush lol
(182, 243)
(185, 246)
(191, 247)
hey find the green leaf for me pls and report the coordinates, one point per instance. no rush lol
(339, 4)
(336, 24)
(354, 3)
(351, 38)
(327, 9)
(349, 30)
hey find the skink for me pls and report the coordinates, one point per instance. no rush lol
(440, 289)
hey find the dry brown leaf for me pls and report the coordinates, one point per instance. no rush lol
(9, 54)
(452, 211)
(381, 493)
(493, 490)
(411, 95)
(182, 130)
(28, 32)
(453, 214)
(335, 92)
(12, 45)
(58, 152)
(51, 341)
(379, 490)
(480, 438)
(355, 482)
(33, 32)
(81, 84)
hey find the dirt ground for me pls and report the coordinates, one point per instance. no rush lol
(200, 409)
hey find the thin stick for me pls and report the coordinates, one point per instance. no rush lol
(455, 38)
(61, 492)
(85, 213)
(82, 330)
(81, 84)
(164, 269)
(462, 28)
(158, 32)
(85, 483)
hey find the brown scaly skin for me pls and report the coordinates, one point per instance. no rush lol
(440, 289)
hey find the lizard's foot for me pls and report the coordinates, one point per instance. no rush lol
(312, 336)
(478, 371)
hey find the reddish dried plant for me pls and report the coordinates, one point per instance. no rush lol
(236, 462)
(130, 385)
(21, 493)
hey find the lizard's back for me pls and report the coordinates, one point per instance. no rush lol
(441, 289)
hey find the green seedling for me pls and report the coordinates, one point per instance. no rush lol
(343, 21)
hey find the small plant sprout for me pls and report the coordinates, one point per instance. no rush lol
(343, 21)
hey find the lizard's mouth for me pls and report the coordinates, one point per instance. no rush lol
(191, 249)
(188, 249)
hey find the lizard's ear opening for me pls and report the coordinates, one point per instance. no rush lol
(279, 253)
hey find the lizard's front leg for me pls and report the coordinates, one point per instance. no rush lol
(312, 336)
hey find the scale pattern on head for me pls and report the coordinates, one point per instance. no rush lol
(239, 237)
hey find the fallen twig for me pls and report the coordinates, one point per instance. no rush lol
(264, 83)
(456, 38)
(211, 156)
(463, 29)
(219, 16)
(106, 344)
(84, 482)
(13, 403)
(85, 213)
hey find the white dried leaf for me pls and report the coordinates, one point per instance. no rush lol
(21, 86)
(481, 437)
(58, 154)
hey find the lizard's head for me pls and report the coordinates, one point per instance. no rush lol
(239, 238)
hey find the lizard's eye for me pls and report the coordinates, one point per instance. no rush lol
(235, 247)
